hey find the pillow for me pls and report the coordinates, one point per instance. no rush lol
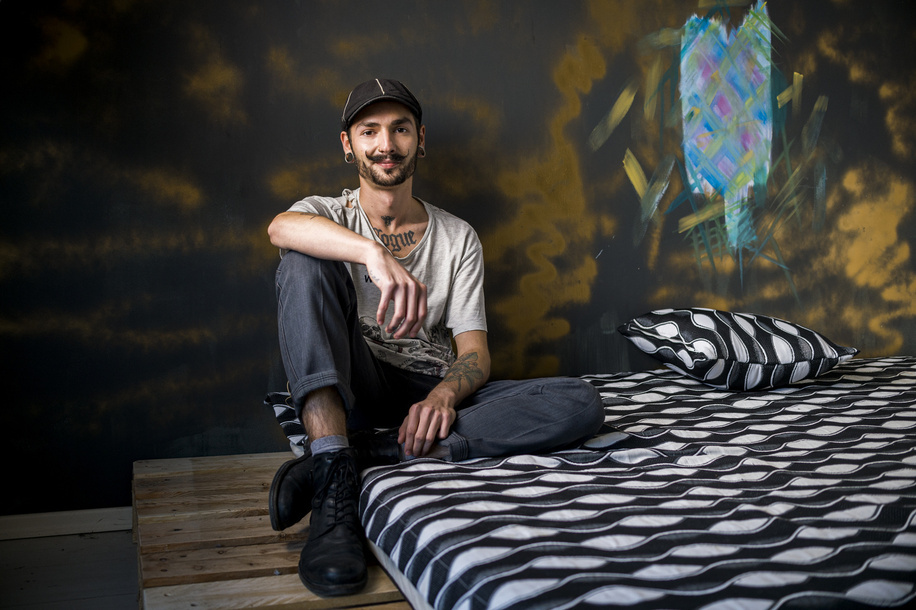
(734, 351)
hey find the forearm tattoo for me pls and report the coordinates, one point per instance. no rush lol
(465, 369)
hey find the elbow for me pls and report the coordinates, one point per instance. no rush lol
(485, 370)
(275, 231)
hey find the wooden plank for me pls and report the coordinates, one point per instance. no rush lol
(170, 467)
(204, 540)
(187, 503)
(216, 564)
(216, 508)
(158, 537)
(283, 591)
(202, 486)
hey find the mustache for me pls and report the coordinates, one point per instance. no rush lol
(392, 157)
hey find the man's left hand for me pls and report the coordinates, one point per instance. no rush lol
(425, 422)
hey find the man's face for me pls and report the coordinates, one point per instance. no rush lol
(384, 139)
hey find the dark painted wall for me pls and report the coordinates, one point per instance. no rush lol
(146, 146)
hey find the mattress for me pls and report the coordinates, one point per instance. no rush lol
(689, 497)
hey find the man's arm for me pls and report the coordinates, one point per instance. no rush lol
(323, 238)
(433, 417)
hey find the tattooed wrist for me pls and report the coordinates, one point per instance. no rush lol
(465, 370)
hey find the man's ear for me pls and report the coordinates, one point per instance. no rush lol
(345, 142)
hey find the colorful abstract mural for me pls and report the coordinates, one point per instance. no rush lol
(731, 101)
(727, 116)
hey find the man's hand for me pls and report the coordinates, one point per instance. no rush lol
(425, 422)
(398, 286)
(433, 417)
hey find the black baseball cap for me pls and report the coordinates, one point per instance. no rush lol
(377, 90)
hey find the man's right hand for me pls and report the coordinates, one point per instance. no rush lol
(400, 288)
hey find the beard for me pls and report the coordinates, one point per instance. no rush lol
(388, 177)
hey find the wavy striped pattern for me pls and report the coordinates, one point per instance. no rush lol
(734, 351)
(802, 497)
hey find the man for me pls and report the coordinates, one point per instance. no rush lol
(373, 289)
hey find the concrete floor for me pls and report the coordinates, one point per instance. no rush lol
(95, 570)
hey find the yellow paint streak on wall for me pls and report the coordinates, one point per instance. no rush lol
(107, 325)
(635, 173)
(66, 45)
(831, 46)
(899, 118)
(216, 84)
(178, 388)
(483, 115)
(168, 187)
(34, 255)
(551, 226)
(608, 225)
(713, 209)
(287, 76)
(483, 15)
(873, 250)
(653, 243)
(653, 78)
(292, 183)
(872, 254)
(618, 111)
(620, 23)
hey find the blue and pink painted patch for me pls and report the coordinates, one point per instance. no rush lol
(727, 114)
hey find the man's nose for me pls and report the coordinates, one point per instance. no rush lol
(384, 141)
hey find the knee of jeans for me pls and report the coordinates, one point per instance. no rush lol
(586, 408)
(302, 266)
(296, 262)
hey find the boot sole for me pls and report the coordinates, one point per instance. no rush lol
(334, 590)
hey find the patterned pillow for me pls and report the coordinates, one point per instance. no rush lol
(734, 351)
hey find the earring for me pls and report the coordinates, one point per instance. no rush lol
(421, 152)
(349, 157)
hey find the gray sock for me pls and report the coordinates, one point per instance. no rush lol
(327, 444)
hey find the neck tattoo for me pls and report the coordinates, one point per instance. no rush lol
(396, 243)
(387, 220)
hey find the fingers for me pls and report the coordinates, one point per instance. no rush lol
(421, 427)
(402, 304)
(402, 293)
(421, 312)
(409, 309)
(383, 305)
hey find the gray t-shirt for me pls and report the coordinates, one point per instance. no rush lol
(448, 260)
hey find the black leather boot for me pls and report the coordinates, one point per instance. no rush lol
(375, 448)
(290, 497)
(333, 561)
(291, 491)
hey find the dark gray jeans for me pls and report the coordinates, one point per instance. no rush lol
(321, 346)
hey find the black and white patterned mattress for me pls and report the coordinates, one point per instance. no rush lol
(800, 497)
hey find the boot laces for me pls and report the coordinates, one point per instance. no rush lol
(338, 505)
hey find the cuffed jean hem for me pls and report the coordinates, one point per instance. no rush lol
(457, 446)
(306, 385)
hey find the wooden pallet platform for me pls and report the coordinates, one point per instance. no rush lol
(204, 540)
